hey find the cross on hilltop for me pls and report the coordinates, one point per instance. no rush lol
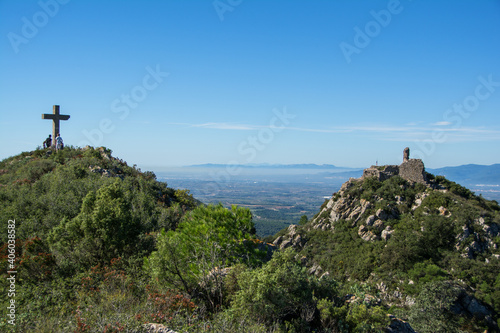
(56, 117)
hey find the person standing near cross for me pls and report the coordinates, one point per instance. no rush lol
(56, 117)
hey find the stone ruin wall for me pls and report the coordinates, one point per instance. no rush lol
(381, 172)
(411, 169)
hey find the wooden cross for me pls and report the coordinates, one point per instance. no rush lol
(55, 116)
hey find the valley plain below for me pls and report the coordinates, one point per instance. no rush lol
(279, 195)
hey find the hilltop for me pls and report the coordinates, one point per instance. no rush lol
(418, 243)
(41, 187)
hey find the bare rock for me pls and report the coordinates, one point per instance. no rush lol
(399, 326)
(292, 230)
(386, 233)
(278, 241)
(364, 206)
(419, 198)
(157, 328)
(315, 270)
(286, 243)
(470, 306)
(370, 219)
(366, 234)
(298, 241)
(381, 214)
(379, 224)
(444, 212)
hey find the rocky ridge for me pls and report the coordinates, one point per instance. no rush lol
(385, 196)
(373, 216)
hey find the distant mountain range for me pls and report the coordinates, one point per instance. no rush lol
(273, 166)
(463, 174)
(470, 173)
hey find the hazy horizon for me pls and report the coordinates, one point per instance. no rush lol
(270, 166)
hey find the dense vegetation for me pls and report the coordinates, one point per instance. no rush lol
(82, 218)
(104, 247)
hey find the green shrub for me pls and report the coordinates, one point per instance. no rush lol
(425, 272)
(432, 311)
(281, 290)
(104, 229)
(192, 257)
(362, 318)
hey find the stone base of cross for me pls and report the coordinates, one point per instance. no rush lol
(55, 117)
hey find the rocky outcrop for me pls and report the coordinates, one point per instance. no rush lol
(419, 198)
(292, 237)
(115, 165)
(367, 235)
(470, 306)
(399, 326)
(478, 237)
(371, 224)
(341, 206)
(112, 172)
(361, 212)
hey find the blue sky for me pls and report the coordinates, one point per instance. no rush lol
(166, 83)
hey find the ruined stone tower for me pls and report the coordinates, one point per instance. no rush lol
(411, 169)
(406, 154)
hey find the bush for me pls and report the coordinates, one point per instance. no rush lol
(432, 311)
(362, 318)
(425, 272)
(103, 230)
(281, 290)
(207, 240)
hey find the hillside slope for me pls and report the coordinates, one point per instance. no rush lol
(71, 220)
(429, 250)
